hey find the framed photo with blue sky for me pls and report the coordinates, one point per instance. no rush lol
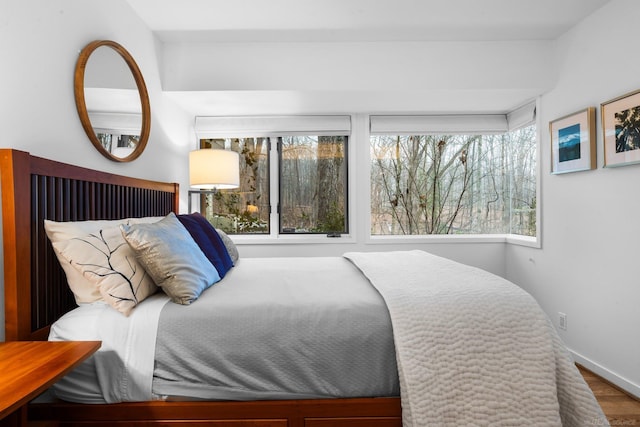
(621, 130)
(573, 142)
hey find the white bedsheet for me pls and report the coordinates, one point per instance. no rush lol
(124, 364)
(473, 348)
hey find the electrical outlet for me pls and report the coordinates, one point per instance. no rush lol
(562, 321)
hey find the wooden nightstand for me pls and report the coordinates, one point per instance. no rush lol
(27, 368)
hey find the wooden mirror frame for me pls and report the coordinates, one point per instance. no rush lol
(78, 87)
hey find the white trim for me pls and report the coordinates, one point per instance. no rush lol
(625, 384)
(116, 123)
(439, 124)
(358, 127)
(539, 225)
(265, 239)
(436, 238)
(520, 240)
(362, 161)
(251, 126)
(290, 239)
(522, 116)
(274, 189)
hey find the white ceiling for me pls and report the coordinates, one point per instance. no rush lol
(259, 21)
(361, 20)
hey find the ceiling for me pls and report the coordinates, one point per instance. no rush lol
(321, 21)
(361, 20)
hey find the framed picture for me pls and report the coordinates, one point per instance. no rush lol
(621, 130)
(573, 142)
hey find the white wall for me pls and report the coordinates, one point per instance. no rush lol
(267, 78)
(363, 77)
(588, 264)
(39, 44)
(330, 66)
(40, 41)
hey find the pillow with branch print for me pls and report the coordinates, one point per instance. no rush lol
(84, 291)
(105, 259)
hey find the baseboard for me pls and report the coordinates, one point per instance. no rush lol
(626, 385)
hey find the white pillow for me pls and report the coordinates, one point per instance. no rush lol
(106, 260)
(83, 290)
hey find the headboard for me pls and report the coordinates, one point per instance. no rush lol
(35, 189)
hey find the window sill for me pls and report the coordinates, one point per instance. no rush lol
(458, 238)
(291, 239)
(512, 239)
(438, 238)
(531, 242)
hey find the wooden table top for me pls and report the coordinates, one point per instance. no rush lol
(28, 368)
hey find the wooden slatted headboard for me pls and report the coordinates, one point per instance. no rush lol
(35, 189)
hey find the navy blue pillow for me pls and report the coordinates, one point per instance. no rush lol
(208, 240)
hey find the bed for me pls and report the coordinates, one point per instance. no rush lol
(481, 360)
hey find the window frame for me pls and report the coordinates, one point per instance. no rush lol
(267, 127)
(358, 175)
(516, 119)
(346, 192)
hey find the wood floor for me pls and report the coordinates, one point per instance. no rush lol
(620, 408)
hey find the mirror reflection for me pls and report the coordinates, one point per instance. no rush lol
(112, 100)
(113, 104)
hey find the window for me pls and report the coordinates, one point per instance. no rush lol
(118, 133)
(522, 145)
(453, 182)
(292, 182)
(477, 176)
(244, 210)
(118, 145)
(313, 184)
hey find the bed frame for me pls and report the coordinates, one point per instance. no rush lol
(36, 294)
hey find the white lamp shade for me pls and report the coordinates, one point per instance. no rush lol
(211, 168)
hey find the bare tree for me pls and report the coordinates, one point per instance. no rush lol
(429, 184)
(424, 182)
(329, 193)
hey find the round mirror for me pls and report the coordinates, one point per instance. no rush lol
(112, 100)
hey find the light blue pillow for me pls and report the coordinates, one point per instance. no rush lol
(172, 258)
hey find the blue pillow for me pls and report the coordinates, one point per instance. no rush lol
(208, 240)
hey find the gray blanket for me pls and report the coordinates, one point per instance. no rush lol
(279, 328)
